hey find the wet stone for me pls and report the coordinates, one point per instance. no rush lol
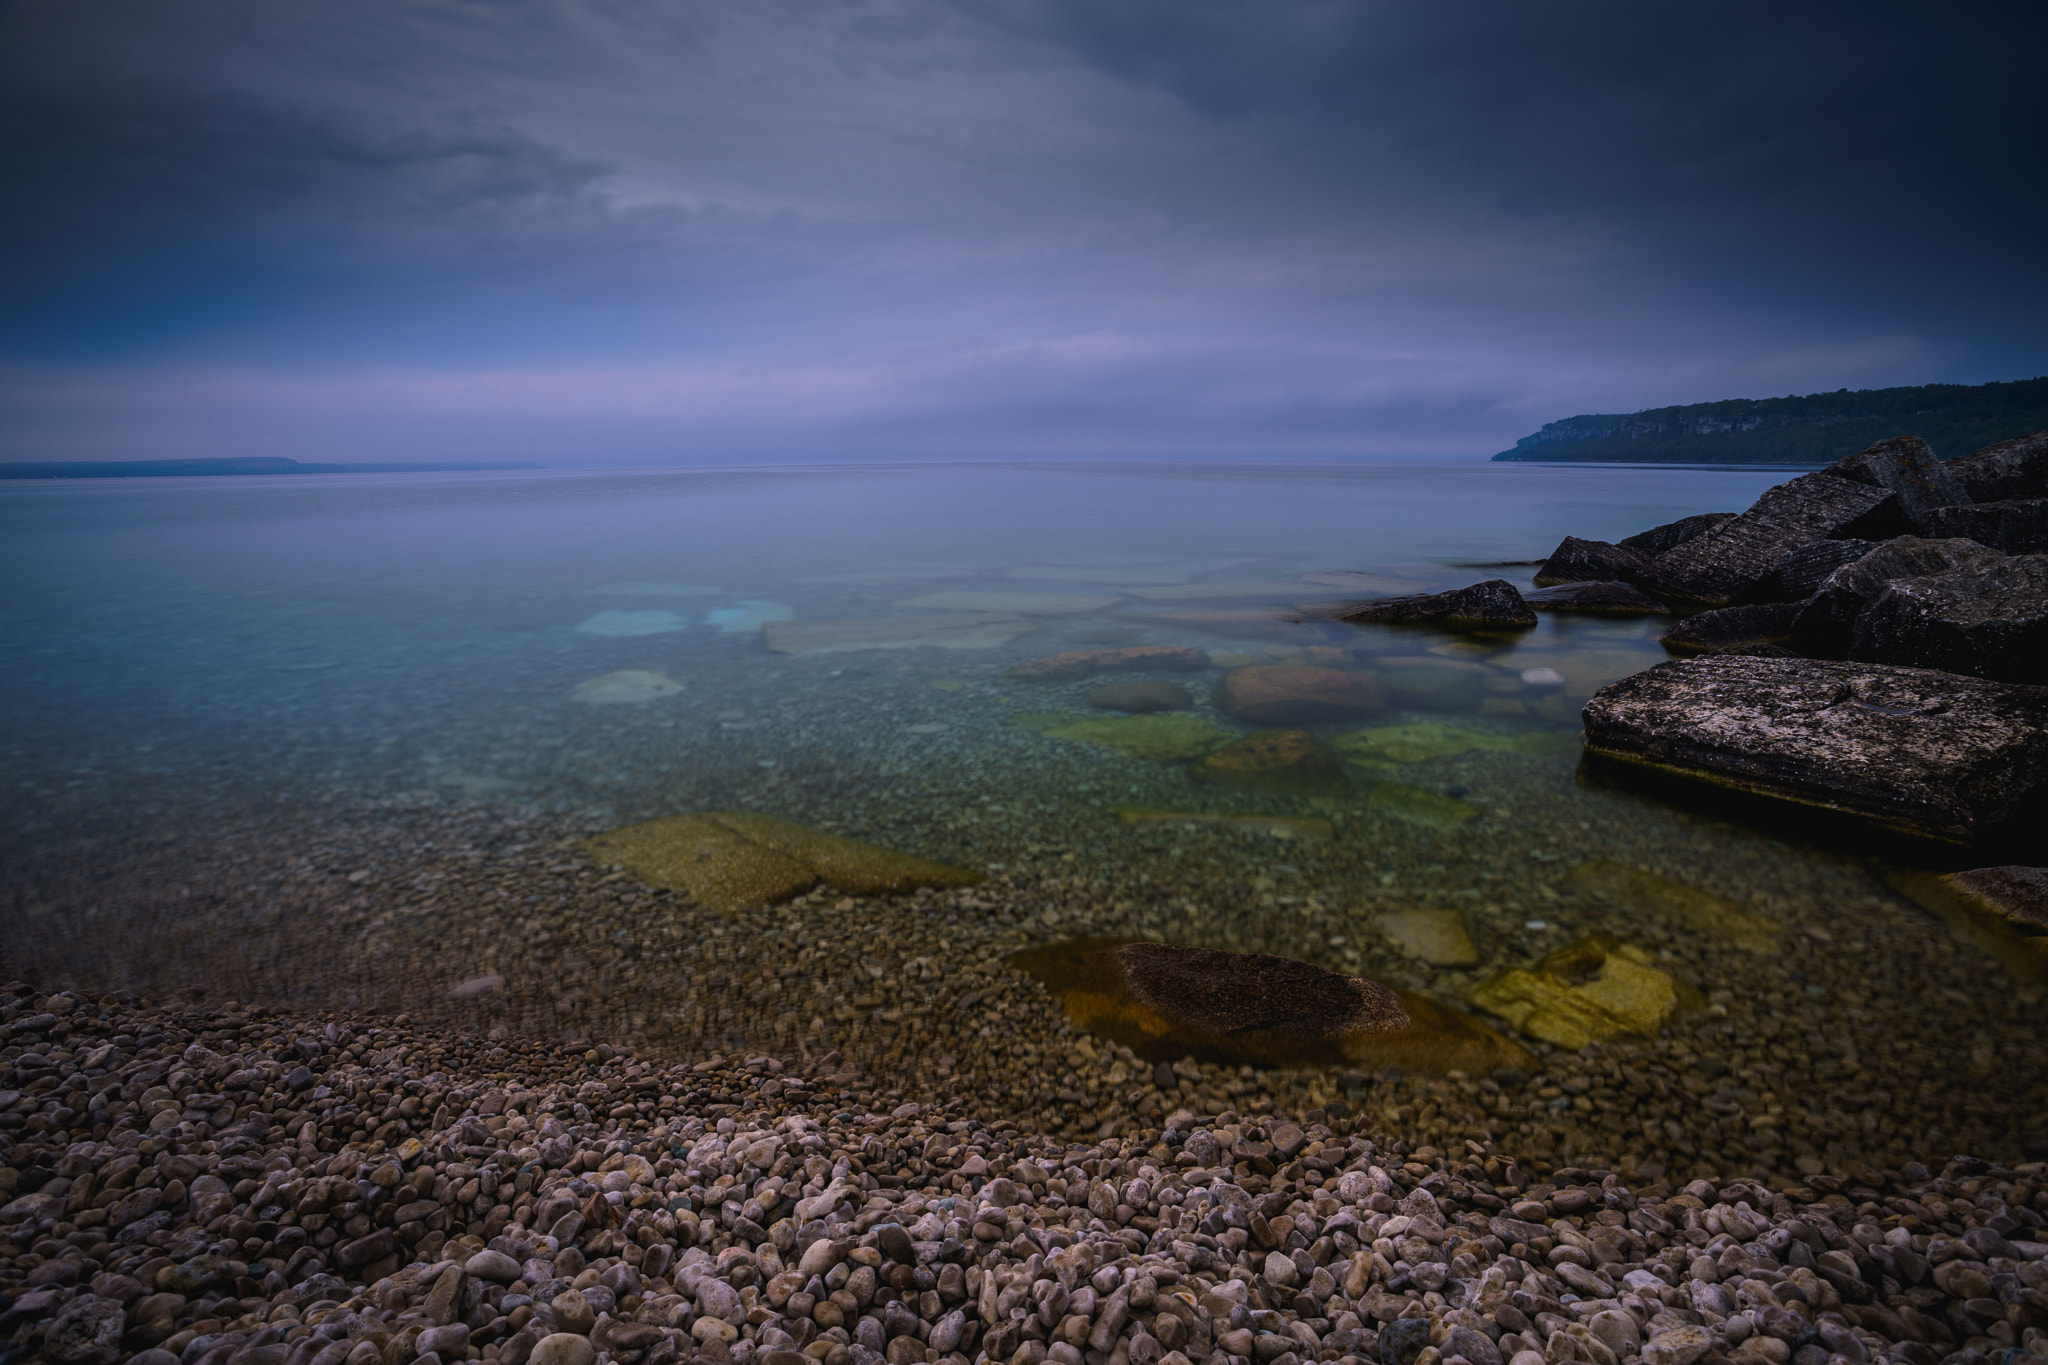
(1591, 561)
(1285, 694)
(1596, 598)
(1492, 605)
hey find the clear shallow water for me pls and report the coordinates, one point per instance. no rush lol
(332, 737)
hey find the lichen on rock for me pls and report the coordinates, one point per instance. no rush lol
(1595, 990)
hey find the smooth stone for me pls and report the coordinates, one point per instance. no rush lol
(1906, 467)
(1734, 630)
(2015, 526)
(1595, 990)
(1673, 534)
(1737, 558)
(1292, 694)
(1431, 739)
(573, 1312)
(1596, 597)
(731, 860)
(1492, 605)
(2010, 469)
(1086, 663)
(1140, 698)
(946, 630)
(1165, 1001)
(1289, 762)
(1438, 937)
(1934, 755)
(563, 1348)
(1652, 893)
(627, 686)
(1418, 806)
(494, 1266)
(1173, 738)
(1591, 561)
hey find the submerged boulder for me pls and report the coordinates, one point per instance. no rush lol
(1652, 893)
(1592, 991)
(1289, 762)
(1955, 759)
(1140, 698)
(737, 860)
(1294, 694)
(1764, 627)
(1590, 561)
(1906, 467)
(2003, 909)
(1740, 559)
(1165, 1001)
(1492, 605)
(1172, 738)
(2011, 469)
(1086, 663)
(1437, 937)
(1597, 597)
(2015, 526)
(1673, 534)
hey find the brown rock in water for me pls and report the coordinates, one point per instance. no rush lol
(1291, 694)
(1086, 663)
(1492, 605)
(1290, 762)
(1140, 698)
(1909, 750)
(1590, 561)
(1165, 1001)
(1596, 598)
(734, 860)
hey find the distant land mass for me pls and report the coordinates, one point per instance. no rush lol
(1820, 428)
(255, 464)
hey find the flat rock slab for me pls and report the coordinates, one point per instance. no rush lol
(737, 860)
(1287, 762)
(1438, 937)
(1596, 597)
(1165, 1001)
(2001, 909)
(1295, 694)
(949, 630)
(1935, 755)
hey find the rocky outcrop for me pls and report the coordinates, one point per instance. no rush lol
(1954, 759)
(1492, 605)
(1987, 617)
(2011, 469)
(1284, 694)
(1763, 626)
(1165, 1002)
(1806, 568)
(2016, 526)
(1740, 559)
(1827, 624)
(1908, 470)
(1596, 599)
(1586, 561)
(1673, 534)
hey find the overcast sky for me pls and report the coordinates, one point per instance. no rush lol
(629, 231)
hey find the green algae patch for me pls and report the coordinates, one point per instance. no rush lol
(1431, 739)
(1419, 807)
(1173, 738)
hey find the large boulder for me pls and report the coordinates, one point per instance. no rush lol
(1907, 468)
(1596, 599)
(1912, 751)
(1673, 534)
(1165, 1002)
(1806, 568)
(1739, 560)
(1587, 561)
(1492, 605)
(1760, 627)
(2003, 909)
(2011, 469)
(1987, 616)
(1827, 623)
(2017, 526)
(1292, 694)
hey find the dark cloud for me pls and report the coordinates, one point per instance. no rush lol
(795, 226)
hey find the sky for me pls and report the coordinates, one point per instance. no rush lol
(664, 231)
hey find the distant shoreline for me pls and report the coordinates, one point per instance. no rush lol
(262, 464)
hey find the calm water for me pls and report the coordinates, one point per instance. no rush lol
(247, 698)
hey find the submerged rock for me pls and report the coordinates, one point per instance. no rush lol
(1289, 762)
(1597, 597)
(1164, 739)
(2015, 526)
(1417, 806)
(628, 623)
(735, 860)
(2003, 909)
(1741, 558)
(1438, 937)
(1285, 826)
(1492, 605)
(1140, 698)
(1086, 663)
(1434, 684)
(2011, 469)
(1592, 991)
(1935, 755)
(1673, 534)
(626, 686)
(1164, 1002)
(1652, 893)
(1292, 694)
(1430, 739)
(1590, 561)
(948, 630)
(1734, 630)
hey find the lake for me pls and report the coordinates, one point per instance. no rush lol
(337, 741)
